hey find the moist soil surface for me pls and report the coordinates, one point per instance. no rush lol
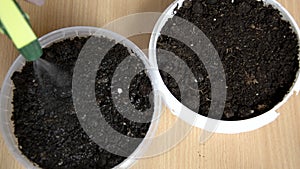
(46, 125)
(258, 49)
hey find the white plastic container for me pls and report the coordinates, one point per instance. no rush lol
(6, 125)
(227, 127)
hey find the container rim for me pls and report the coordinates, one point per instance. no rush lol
(6, 126)
(225, 127)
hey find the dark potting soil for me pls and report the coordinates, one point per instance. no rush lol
(258, 49)
(46, 125)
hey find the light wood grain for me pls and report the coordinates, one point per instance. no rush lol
(276, 146)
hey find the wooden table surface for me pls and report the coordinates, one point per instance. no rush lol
(275, 146)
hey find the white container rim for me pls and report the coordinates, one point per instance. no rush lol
(6, 126)
(225, 127)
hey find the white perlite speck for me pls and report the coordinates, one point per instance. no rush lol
(120, 90)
